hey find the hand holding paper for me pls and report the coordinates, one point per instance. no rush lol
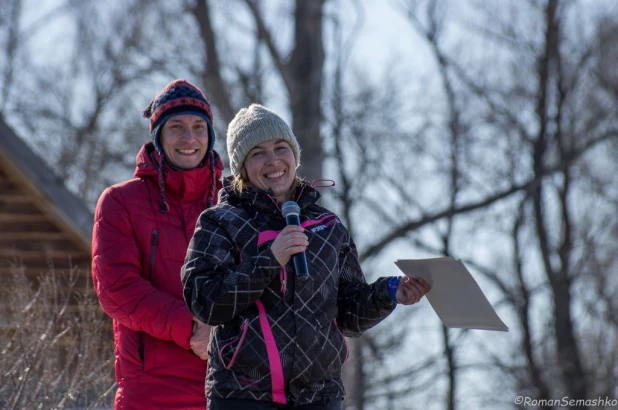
(411, 290)
(455, 296)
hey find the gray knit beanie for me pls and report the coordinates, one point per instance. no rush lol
(252, 126)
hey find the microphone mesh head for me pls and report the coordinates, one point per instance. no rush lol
(290, 208)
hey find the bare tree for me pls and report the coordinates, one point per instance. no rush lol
(559, 146)
(473, 103)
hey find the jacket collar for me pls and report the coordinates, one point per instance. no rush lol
(191, 184)
(264, 201)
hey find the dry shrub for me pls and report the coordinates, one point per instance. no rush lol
(56, 343)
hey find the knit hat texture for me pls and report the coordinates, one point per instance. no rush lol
(177, 98)
(252, 126)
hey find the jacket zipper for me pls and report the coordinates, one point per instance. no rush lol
(153, 252)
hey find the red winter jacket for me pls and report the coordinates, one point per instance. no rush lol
(137, 256)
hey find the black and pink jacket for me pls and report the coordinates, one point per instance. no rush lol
(275, 338)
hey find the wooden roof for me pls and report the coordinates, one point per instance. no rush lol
(42, 224)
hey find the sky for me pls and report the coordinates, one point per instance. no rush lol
(385, 36)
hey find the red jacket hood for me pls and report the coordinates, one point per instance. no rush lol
(188, 184)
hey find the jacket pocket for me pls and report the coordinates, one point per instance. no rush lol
(147, 350)
(238, 340)
(140, 348)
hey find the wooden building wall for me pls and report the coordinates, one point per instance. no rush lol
(43, 226)
(29, 235)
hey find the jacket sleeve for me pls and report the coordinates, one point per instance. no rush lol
(360, 305)
(123, 293)
(219, 281)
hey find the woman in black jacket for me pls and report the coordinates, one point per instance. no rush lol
(277, 341)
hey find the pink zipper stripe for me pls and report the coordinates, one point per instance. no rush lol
(266, 236)
(274, 361)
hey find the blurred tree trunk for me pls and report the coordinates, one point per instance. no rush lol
(305, 88)
(559, 275)
(302, 77)
(216, 88)
(353, 372)
(11, 11)
(301, 73)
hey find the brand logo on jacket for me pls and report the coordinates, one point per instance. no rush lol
(325, 225)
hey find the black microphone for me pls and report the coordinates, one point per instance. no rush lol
(291, 213)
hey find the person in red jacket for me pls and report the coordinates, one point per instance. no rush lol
(142, 228)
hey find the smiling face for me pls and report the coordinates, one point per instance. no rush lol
(184, 139)
(271, 164)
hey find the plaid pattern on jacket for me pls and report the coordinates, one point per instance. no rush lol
(276, 338)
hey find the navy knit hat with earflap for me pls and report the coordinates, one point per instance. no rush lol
(177, 98)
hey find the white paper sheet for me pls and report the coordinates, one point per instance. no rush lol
(455, 296)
